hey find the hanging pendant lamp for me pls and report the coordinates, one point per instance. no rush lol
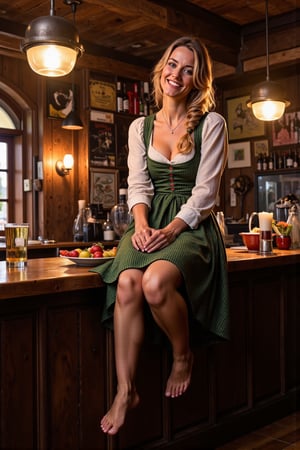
(72, 121)
(267, 98)
(52, 44)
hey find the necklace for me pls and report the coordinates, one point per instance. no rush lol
(167, 123)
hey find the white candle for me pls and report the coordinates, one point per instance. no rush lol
(265, 221)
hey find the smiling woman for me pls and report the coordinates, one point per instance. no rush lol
(176, 160)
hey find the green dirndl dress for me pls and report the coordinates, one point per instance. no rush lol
(199, 254)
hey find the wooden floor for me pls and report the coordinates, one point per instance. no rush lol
(281, 435)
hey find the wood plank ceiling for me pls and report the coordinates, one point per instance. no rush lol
(137, 32)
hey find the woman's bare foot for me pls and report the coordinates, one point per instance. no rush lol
(115, 417)
(180, 375)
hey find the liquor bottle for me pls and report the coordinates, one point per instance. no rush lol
(280, 162)
(146, 98)
(259, 162)
(289, 160)
(80, 222)
(136, 104)
(119, 97)
(125, 99)
(120, 215)
(296, 160)
(284, 158)
(265, 162)
(293, 219)
(108, 229)
(275, 163)
(271, 162)
(141, 99)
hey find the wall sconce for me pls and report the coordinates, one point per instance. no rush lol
(267, 100)
(52, 44)
(63, 167)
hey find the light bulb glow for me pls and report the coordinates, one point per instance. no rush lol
(268, 110)
(68, 161)
(51, 60)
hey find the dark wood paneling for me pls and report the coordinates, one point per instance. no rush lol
(18, 409)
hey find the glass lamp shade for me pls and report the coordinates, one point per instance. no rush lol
(268, 110)
(267, 101)
(72, 122)
(52, 46)
(68, 161)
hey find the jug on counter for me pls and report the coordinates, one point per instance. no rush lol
(265, 225)
(283, 205)
(294, 220)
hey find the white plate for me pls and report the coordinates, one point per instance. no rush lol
(88, 262)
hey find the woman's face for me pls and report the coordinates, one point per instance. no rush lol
(177, 76)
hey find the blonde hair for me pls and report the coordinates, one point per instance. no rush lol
(201, 99)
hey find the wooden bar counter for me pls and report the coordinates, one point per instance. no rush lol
(57, 374)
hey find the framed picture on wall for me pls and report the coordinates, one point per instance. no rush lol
(240, 120)
(286, 130)
(102, 95)
(239, 155)
(261, 147)
(60, 98)
(104, 186)
(102, 144)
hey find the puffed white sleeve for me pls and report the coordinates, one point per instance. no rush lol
(214, 150)
(140, 187)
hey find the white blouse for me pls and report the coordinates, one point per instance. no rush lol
(214, 150)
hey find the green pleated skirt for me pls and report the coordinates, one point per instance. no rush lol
(201, 258)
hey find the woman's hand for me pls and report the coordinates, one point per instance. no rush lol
(148, 239)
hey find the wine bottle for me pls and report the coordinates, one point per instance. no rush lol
(146, 99)
(108, 229)
(136, 104)
(125, 99)
(119, 97)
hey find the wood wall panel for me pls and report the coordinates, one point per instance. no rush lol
(266, 333)
(18, 377)
(232, 360)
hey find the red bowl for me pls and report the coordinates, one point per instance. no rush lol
(251, 241)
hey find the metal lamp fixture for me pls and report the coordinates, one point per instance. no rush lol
(267, 98)
(52, 44)
(63, 167)
(72, 121)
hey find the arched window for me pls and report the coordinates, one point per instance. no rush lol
(8, 123)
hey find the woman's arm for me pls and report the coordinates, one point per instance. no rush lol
(140, 187)
(213, 159)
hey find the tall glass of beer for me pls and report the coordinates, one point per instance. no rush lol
(16, 237)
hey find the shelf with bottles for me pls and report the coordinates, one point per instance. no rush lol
(133, 97)
(287, 159)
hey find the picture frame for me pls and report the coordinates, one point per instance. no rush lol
(60, 98)
(103, 95)
(104, 186)
(239, 155)
(261, 147)
(102, 148)
(240, 120)
(286, 130)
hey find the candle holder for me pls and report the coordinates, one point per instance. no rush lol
(265, 242)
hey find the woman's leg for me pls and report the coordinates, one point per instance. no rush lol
(128, 335)
(161, 281)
